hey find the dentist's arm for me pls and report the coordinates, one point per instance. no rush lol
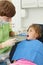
(7, 43)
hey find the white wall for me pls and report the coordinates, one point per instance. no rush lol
(34, 15)
(16, 20)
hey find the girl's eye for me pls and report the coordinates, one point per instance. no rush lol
(30, 30)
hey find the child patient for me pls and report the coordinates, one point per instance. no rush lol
(29, 51)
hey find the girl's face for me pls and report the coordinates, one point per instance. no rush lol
(31, 34)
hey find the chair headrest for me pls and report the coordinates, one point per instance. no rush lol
(41, 39)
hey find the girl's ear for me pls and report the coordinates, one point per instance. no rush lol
(36, 35)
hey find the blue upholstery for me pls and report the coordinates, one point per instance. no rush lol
(3, 63)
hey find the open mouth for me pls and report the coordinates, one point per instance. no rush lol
(27, 35)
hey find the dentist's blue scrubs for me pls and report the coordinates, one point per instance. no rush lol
(30, 50)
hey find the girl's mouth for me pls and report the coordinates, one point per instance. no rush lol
(27, 35)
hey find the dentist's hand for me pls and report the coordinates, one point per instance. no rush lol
(7, 43)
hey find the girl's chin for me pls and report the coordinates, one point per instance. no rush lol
(28, 38)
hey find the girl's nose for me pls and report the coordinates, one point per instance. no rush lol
(27, 35)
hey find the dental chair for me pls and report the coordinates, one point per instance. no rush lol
(4, 59)
(41, 39)
(14, 47)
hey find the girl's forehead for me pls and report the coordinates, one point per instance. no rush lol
(30, 28)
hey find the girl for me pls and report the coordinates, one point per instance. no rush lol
(29, 51)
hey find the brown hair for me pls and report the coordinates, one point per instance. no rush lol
(37, 29)
(7, 9)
